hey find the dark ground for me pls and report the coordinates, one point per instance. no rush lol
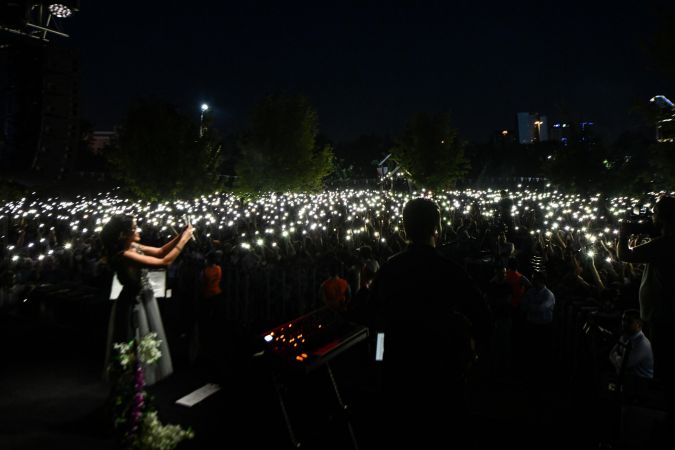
(52, 396)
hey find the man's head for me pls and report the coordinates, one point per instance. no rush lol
(212, 258)
(631, 322)
(421, 220)
(365, 252)
(334, 267)
(539, 279)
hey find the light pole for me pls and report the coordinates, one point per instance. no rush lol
(538, 123)
(202, 127)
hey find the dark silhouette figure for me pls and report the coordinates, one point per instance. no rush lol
(428, 309)
(657, 303)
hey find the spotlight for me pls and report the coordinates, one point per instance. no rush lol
(59, 10)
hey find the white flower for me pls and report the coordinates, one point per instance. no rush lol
(156, 436)
(124, 350)
(148, 349)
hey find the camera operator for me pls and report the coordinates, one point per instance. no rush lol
(657, 303)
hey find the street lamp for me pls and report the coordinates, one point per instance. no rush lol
(538, 123)
(202, 127)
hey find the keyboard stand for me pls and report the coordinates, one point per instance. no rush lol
(280, 387)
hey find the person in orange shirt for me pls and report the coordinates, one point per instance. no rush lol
(210, 307)
(211, 277)
(518, 282)
(335, 291)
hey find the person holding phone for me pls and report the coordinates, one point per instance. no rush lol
(135, 312)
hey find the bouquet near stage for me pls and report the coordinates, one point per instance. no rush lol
(135, 419)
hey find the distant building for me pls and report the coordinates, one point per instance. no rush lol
(99, 140)
(532, 128)
(568, 132)
(665, 123)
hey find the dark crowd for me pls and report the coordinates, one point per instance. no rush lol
(562, 287)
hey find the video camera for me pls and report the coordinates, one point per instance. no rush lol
(639, 221)
(644, 227)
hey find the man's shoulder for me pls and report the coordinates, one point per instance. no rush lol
(429, 261)
(429, 254)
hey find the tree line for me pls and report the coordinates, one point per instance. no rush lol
(160, 153)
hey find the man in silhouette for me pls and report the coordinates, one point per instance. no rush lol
(429, 311)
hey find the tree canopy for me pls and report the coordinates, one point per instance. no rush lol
(430, 150)
(158, 153)
(280, 150)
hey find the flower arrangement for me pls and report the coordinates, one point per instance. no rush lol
(135, 420)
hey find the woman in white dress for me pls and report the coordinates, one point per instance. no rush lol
(135, 311)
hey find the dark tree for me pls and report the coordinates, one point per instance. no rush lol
(159, 153)
(431, 151)
(360, 154)
(280, 152)
(662, 165)
(578, 166)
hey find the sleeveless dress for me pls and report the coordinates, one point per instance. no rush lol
(136, 312)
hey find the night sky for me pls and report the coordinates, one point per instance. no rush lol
(367, 67)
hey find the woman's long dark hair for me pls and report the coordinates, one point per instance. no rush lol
(115, 233)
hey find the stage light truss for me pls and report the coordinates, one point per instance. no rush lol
(60, 10)
(40, 18)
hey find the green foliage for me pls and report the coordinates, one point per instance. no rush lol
(628, 165)
(280, 152)
(578, 166)
(10, 191)
(159, 154)
(135, 420)
(431, 151)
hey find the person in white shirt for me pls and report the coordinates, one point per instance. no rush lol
(632, 355)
